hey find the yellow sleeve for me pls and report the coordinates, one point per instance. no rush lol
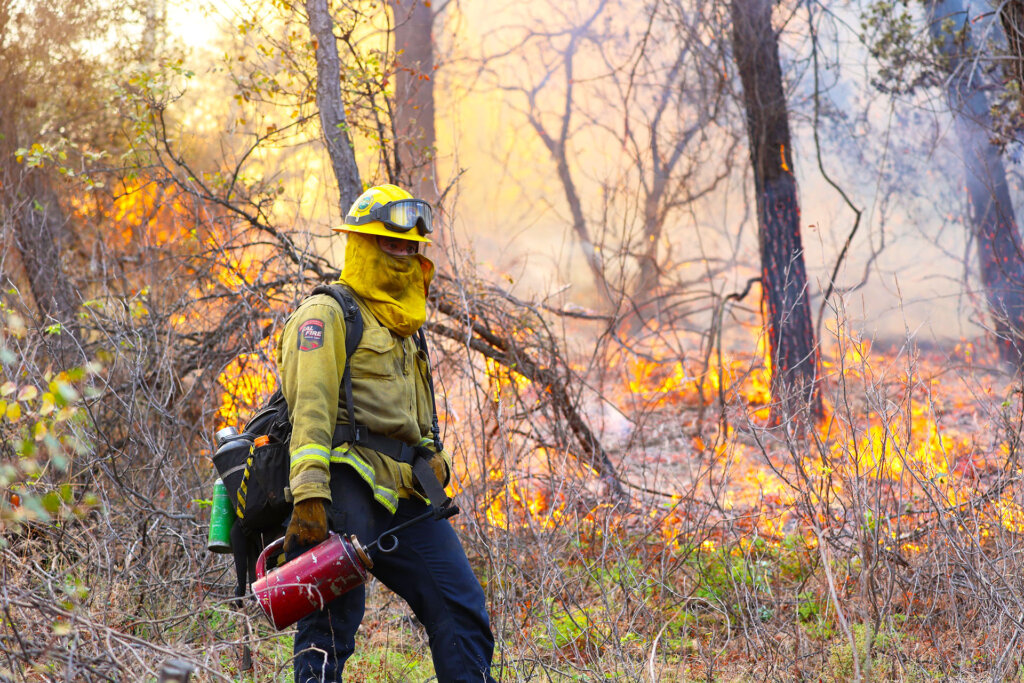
(310, 353)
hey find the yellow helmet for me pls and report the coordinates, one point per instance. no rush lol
(390, 211)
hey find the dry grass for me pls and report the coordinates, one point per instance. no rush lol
(885, 543)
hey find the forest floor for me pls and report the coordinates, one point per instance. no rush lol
(885, 542)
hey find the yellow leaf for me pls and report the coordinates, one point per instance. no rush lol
(16, 325)
(47, 407)
(39, 431)
(7, 388)
(27, 393)
(14, 412)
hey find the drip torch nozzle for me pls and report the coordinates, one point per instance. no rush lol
(449, 509)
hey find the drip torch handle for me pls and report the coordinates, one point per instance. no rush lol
(261, 563)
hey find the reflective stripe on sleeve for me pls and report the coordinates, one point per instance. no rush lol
(383, 495)
(310, 452)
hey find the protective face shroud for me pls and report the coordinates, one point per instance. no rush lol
(395, 289)
(390, 211)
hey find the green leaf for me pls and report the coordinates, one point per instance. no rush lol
(25, 447)
(51, 502)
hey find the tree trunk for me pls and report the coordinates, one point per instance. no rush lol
(647, 292)
(154, 30)
(794, 353)
(414, 97)
(332, 109)
(1011, 15)
(993, 225)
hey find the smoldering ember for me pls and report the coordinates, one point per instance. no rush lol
(652, 340)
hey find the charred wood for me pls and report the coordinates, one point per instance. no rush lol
(788, 323)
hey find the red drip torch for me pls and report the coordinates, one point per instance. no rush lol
(308, 582)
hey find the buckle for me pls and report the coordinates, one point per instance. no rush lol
(358, 433)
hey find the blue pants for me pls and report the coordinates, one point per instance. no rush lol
(428, 570)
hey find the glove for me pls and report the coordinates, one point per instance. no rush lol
(308, 526)
(437, 463)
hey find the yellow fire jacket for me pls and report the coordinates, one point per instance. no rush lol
(390, 393)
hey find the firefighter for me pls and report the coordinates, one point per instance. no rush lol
(364, 486)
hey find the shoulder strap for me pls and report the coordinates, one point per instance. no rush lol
(353, 333)
(353, 316)
(435, 430)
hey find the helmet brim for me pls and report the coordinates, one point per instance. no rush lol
(379, 229)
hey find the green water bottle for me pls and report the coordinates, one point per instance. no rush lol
(222, 518)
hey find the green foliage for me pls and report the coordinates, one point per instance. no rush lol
(873, 651)
(571, 627)
(813, 616)
(796, 561)
(144, 94)
(43, 427)
(389, 664)
(900, 47)
(727, 568)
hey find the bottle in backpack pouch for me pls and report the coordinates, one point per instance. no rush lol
(224, 434)
(229, 459)
(222, 518)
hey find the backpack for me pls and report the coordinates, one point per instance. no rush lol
(255, 464)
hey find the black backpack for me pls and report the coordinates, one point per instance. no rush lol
(254, 465)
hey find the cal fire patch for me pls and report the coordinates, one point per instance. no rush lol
(311, 335)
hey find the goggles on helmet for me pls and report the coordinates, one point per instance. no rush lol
(399, 216)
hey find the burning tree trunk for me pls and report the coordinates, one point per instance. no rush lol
(794, 354)
(414, 96)
(332, 109)
(993, 224)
